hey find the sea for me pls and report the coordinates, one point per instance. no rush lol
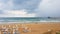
(28, 19)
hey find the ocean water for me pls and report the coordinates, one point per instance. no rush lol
(28, 19)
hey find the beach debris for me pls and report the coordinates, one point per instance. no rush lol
(26, 29)
(15, 31)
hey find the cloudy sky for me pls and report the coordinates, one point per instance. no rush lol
(29, 8)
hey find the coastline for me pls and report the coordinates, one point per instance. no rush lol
(28, 22)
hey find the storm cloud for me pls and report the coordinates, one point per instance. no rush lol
(32, 8)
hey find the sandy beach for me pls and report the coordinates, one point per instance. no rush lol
(34, 28)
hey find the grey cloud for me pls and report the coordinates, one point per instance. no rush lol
(26, 4)
(49, 8)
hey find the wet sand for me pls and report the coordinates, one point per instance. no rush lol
(35, 28)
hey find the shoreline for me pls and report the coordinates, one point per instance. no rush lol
(32, 23)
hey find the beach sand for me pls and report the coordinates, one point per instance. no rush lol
(35, 28)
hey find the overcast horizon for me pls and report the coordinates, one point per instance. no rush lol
(29, 8)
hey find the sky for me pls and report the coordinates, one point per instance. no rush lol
(29, 8)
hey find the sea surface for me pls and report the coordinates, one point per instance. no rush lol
(28, 19)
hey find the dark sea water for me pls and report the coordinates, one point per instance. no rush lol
(27, 19)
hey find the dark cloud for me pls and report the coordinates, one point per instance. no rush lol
(18, 2)
(25, 4)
